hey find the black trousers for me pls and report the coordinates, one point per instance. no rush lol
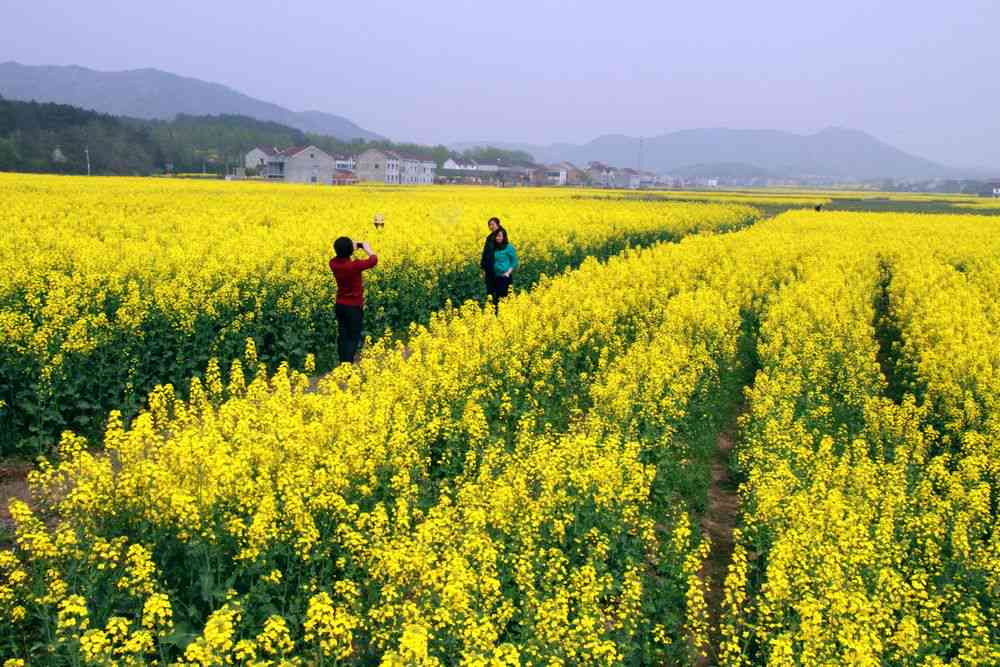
(491, 285)
(350, 320)
(501, 288)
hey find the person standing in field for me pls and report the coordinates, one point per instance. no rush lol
(486, 263)
(504, 263)
(350, 306)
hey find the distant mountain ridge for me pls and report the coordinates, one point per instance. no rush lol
(155, 94)
(836, 153)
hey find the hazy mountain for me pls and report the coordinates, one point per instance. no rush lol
(832, 153)
(151, 93)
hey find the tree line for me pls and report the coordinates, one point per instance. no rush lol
(58, 138)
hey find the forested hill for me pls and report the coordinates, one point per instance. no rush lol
(54, 138)
(154, 94)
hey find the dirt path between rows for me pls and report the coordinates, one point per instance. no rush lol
(721, 516)
(13, 484)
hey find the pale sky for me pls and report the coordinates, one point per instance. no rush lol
(924, 77)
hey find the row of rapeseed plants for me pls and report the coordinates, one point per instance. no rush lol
(112, 286)
(525, 489)
(872, 478)
(493, 496)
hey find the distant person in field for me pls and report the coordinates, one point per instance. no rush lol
(504, 263)
(350, 307)
(486, 263)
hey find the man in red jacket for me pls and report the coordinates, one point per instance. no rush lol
(350, 294)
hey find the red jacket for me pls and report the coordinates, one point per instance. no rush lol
(347, 272)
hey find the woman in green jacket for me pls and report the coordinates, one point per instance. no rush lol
(504, 263)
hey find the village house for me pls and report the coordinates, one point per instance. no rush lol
(628, 179)
(601, 174)
(455, 165)
(549, 175)
(574, 175)
(378, 166)
(383, 166)
(301, 164)
(416, 169)
(258, 156)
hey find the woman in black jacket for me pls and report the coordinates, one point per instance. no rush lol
(486, 263)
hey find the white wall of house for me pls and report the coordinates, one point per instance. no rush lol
(555, 176)
(452, 163)
(310, 165)
(413, 171)
(373, 166)
(428, 171)
(602, 177)
(408, 171)
(626, 179)
(393, 168)
(255, 159)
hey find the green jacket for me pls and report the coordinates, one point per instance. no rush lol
(504, 259)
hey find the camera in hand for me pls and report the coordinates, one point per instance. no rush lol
(359, 245)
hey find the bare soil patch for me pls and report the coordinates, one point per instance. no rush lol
(13, 485)
(718, 522)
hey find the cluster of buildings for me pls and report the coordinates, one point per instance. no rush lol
(605, 176)
(309, 164)
(596, 174)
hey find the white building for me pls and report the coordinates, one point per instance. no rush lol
(381, 166)
(257, 158)
(601, 174)
(555, 175)
(627, 179)
(301, 164)
(455, 165)
(416, 170)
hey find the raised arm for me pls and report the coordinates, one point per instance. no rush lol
(371, 260)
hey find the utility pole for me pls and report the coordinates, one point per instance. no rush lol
(86, 151)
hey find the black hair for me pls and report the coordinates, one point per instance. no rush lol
(494, 219)
(344, 247)
(506, 238)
